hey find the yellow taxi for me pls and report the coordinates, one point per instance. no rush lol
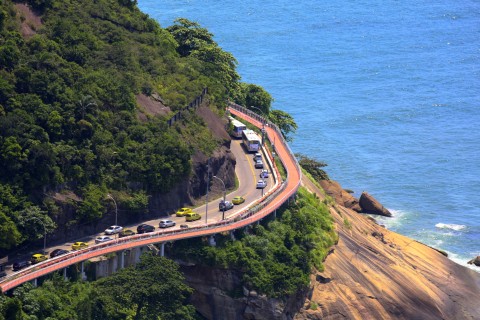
(38, 257)
(79, 245)
(192, 216)
(183, 211)
(238, 200)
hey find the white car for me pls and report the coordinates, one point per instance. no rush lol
(113, 230)
(102, 239)
(166, 223)
(261, 184)
(257, 156)
(264, 174)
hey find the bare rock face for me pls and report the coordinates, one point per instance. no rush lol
(342, 197)
(374, 273)
(219, 295)
(475, 261)
(370, 205)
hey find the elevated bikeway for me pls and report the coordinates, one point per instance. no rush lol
(270, 202)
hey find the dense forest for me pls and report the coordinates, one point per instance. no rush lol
(70, 117)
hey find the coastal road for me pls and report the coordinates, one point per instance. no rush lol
(247, 177)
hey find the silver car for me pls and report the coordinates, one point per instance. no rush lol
(102, 239)
(166, 223)
(259, 164)
(113, 230)
(261, 184)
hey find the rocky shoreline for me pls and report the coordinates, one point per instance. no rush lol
(374, 273)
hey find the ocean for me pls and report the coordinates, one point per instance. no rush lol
(385, 92)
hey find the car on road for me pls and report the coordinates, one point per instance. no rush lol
(238, 200)
(102, 239)
(126, 233)
(79, 245)
(259, 164)
(20, 265)
(183, 211)
(192, 216)
(143, 228)
(57, 252)
(113, 230)
(261, 184)
(183, 226)
(264, 174)
(225, 205)
(38, 257)
(257, 156)
(166, 223)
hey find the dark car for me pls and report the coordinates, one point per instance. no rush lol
(225, 205)
(145, 228)
(20, 265)
(2, 274)
(57, 252)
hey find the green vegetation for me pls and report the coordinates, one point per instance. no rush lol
(132, 293)
(275, 258)
(312, 166)
(69, 118)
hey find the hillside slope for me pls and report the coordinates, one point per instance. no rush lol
(374, 273)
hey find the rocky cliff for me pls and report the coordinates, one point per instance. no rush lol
(372, 273)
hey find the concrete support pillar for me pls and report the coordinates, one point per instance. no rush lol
(275, 214)
(83, 276)
(162, 249)
(35, 283)
(138, 253)
(122, 259)
(232, 235)
(211, 241)
(65, 274)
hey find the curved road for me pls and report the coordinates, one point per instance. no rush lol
(257, 206)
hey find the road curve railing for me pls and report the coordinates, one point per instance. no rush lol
(270, 202)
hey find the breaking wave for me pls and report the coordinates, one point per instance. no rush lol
(456, 227)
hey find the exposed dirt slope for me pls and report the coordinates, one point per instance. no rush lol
(30, 21)
(374, 273)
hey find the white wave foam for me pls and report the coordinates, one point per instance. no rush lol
(462, 261)
(456, 227)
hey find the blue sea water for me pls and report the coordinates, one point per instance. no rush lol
(386, 92)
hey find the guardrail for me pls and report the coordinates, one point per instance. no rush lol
(270, 202)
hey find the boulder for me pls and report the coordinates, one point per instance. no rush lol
(475, 261)
(370, 205)
(342, 197)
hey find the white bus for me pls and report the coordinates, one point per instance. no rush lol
(236, 127)
(251, 140)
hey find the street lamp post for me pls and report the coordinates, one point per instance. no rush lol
(206, 197)
(263, 123)
(116, 208)
(44, 232)
(224, 196)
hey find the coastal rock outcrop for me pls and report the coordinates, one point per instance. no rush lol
(475, 261)
(342, 197)
(370, 205)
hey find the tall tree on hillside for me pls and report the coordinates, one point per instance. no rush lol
(143, 291)
(285, 122)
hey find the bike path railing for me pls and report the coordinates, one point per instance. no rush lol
(270, 202)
